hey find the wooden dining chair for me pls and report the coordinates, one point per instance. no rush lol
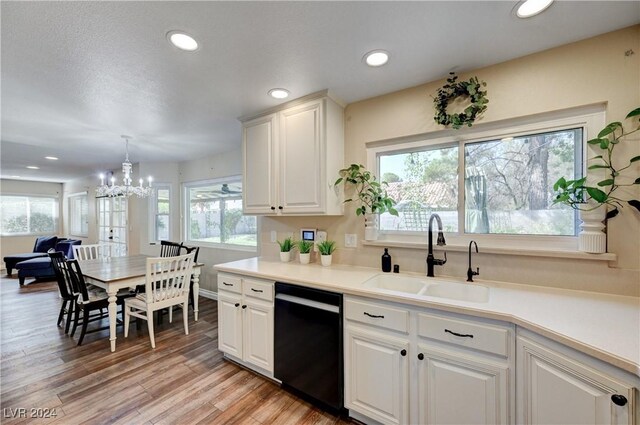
(170, 249)
(64, 287)
(91, 252)
(88, 302)
(167, 284)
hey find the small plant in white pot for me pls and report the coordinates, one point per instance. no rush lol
(326, 249)
(285, 249)
(304, 248)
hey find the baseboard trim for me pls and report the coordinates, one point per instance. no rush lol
(208, 294)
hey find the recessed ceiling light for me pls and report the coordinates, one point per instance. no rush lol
(33, 167)
(532, 7)
(52, 158)
(15, 177)
(279, 93)
(376, 58)
(182, 41)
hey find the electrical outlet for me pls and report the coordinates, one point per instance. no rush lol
(274, 236)
(350, 240)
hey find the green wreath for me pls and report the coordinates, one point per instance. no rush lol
(454, 89)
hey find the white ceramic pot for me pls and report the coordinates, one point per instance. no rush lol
(371, 227)
(305, 258)
(285, 257)
(592, 238)
(326, 260)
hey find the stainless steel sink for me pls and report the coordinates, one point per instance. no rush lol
(397, 283)
(471, 292)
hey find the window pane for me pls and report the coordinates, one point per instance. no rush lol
(163, 201)
(28, 214)
(421, 183)
(79, 215)
(509, 184)
(215, 215)
(14, 215)
(162, 227)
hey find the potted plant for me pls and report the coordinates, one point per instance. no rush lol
(593, 199)
(369, 193)
(326, 249)
(285, 249)
(304, 248)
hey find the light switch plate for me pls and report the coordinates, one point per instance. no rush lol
(274, 236)
(350, 240)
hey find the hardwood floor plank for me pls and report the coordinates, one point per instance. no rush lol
(185, 380)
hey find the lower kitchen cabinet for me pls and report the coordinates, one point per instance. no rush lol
(558, 386)
(245, 321)
(377, 376)
(405, 365)
(455, 388)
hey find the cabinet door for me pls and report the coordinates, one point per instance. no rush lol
(259, 155)
(230, 324)
(556, 389)
(460, 388)
(377, 376)
(258, 335)
(301, 154)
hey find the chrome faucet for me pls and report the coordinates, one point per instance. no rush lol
(470, 272)
(431, 261)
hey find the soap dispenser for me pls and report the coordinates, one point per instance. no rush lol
(386, 261)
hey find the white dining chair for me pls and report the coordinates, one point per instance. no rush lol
(167, 284)
(91, 252)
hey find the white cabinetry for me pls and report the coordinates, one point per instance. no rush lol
(291, 157)
(245, 321)
(559, 386)
(404, 365)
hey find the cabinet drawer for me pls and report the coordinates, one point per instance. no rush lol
(479, 336)
(377, 315)
(227, 282)
(262, 289)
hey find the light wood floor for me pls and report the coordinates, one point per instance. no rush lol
(183, 381)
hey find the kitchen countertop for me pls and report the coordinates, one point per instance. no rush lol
(604, 326)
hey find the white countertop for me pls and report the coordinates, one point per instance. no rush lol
(604, 326)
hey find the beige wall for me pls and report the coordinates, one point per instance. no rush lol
(19, 244)
(583, 73)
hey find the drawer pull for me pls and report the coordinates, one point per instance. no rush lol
(257, 290)
(403, 353)
(618, 399)
(227, 284)
(457, 334)
(373, 315)
(237, 304)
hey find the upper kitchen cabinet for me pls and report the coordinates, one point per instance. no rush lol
(291, 157)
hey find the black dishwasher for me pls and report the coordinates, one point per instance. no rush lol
(308, 343)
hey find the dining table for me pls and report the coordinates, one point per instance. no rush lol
(115, 273)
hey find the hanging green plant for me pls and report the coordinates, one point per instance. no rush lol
(453, 90)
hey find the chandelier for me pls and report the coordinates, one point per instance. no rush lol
(126, 189)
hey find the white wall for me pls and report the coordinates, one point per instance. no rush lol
(211, 167)
(18, 244)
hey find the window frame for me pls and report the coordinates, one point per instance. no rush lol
(153, 211)
(56, 219)
(186, 210)
(72, 214)
(591, 119)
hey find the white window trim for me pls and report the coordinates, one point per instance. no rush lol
(591, 118)
(71, 215)
(56, 219)
(153, 210)
(185, 213)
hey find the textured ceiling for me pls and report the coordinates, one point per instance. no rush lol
(76, 75)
